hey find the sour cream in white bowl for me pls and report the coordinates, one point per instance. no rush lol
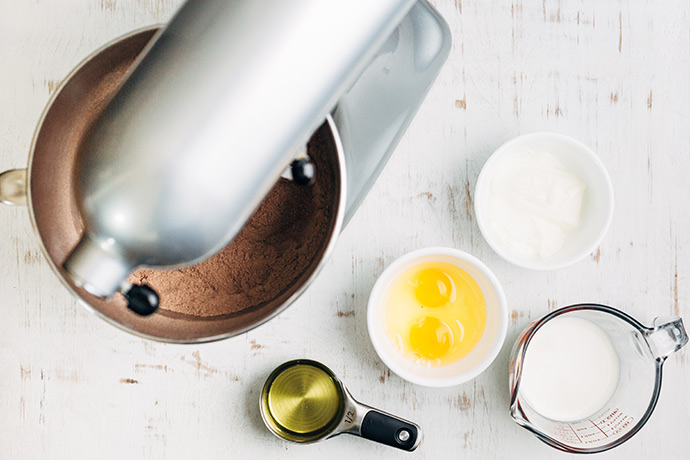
(543, 201)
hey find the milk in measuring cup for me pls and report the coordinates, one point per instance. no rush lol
(570, 370)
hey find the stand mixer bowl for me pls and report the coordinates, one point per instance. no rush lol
(49, 185)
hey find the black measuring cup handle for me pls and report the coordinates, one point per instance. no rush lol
(390, 430)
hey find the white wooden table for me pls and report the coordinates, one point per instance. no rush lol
(614, 74)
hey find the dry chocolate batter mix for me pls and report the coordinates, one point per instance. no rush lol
(270, 253)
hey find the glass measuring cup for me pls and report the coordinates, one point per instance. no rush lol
(641, 353)
(303, 401)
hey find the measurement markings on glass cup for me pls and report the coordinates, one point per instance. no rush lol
(588, 431)
(618, 421)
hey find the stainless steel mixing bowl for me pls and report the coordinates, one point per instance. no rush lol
(47, 187)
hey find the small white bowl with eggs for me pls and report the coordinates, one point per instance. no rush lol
(385, 308)
(543, 201)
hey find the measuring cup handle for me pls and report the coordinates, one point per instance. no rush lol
(13, 187)
(667, 336)
(390, 430)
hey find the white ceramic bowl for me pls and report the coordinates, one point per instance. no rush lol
(481, 355)
(597, 203)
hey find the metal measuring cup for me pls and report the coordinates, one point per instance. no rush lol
(641, 352)
(303, 401)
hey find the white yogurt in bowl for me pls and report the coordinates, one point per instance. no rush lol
(543, 201)
(534, 203)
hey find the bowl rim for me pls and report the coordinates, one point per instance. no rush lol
(482, 184)
(376, 338)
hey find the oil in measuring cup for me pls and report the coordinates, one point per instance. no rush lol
(586, 378)
(303, 401)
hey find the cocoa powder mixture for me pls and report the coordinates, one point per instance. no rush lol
(276, 246)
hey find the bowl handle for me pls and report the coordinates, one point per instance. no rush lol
(13, 187)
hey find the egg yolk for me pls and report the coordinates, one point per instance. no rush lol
(434, 288)
(430, 338)
(435, 313)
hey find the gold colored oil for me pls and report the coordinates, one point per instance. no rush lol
(301, 401)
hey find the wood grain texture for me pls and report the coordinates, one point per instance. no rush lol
(614, 74)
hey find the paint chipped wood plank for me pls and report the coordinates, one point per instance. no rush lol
(588, 68)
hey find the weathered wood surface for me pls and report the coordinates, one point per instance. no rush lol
(614, 74)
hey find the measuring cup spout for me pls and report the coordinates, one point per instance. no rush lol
(666, 337)
(517, 414)
(517, 355)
